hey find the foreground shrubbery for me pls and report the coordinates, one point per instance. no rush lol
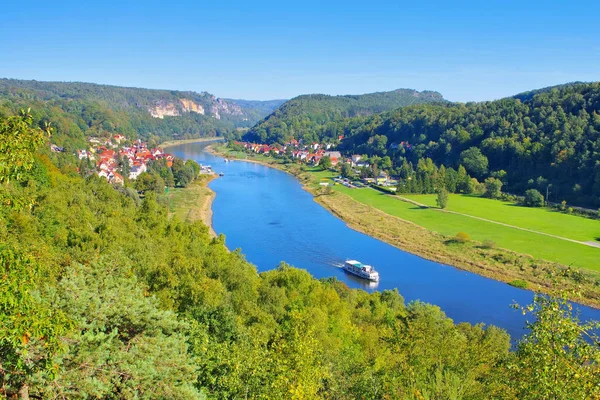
(105, 299)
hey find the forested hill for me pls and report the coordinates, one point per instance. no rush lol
(302, 116)
(79, 109)
(547, 137)
(104, 296)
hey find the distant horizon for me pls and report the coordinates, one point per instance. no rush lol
(467, 51)
(289, 98)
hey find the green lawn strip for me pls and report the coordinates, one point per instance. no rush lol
(538, 246)
(538, 219)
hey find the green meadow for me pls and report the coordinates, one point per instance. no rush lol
(536, 245)
(538, 219)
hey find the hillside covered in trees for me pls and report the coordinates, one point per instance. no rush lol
(104, 296)
(79, 109)
(303, 116)
(547, 139)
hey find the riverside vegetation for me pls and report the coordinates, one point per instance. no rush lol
(105, 298)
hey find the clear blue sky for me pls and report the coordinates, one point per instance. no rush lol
(471, 50)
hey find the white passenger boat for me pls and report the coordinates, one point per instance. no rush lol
(361, 270)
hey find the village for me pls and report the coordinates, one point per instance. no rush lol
(313, 153)
(112, 159)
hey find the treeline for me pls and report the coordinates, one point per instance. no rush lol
(159, 175)
(548, 140)
(551, 138)
(303, 116)
(78, 110)
(427, 178)
(102, 298)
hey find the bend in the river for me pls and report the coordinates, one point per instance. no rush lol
(267, 214)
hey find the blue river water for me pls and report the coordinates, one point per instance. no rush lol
(267, 214)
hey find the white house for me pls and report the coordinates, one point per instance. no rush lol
(136, 170)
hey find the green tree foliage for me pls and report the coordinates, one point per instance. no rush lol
(103, 298)
(123, 343)
(533, 198)
(29, 327)
(552, 133)
(147, 182)
(474, 161)
(493, 188)
(428, 178)
(325, 163)
(559, 358)
(442, 198)
(346, 170)
(317, 116)
(18, 141)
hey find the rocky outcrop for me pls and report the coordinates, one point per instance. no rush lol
(218, 107)
(190, 106)
(164, 108)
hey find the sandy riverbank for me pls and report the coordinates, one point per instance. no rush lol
(194, 203)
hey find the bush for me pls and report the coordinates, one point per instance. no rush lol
(533, 198)
(462, 237)
(488, 244)
(520, 283)
(493, 188)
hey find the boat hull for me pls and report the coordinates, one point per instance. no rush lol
(361, 274)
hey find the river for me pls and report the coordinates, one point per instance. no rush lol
(267, 214)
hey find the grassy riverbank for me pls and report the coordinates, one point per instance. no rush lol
(170, 143)
(388, 219)
(546, 220)
(194, 202)
(542, 234)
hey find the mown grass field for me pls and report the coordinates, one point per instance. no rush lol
(539, 219)
(536, 245)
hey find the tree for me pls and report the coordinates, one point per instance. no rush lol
(122, 342)
(558, 359)
(18, 143)
(123, 163)
(474, 161)
(346, 170)
(184, 173)
(493, 188)
(325, 163)
(29, 327)
(462, 180)
(442, 198)
(533, 198)
(475, 187)
(149, 182)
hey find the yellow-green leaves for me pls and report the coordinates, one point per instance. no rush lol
(18, 142)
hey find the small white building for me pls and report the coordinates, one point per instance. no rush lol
(136, 170)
